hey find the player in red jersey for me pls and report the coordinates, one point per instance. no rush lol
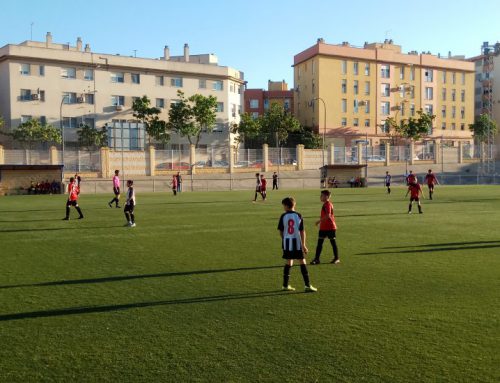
(431, 180)
(73, 191)
(415, 191)
(327, 229)
(263, 187)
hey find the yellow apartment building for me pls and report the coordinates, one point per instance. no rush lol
(66, 85)
(359, 88)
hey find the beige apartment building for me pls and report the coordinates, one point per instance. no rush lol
(359, 88)
(66, 86)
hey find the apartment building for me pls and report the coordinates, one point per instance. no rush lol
(257, 101)
(67, 85)
(360, 87)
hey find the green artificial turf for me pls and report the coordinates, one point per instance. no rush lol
(192, 294)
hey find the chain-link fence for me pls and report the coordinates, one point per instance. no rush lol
(82, 161)
(249, 158)
(172, 160)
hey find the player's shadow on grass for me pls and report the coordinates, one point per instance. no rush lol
(128, 306)
(445, 247)
(132, 277)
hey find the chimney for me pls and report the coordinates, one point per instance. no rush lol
(166, 53)
(48, 39)
(449, 54)
(79, 44)
(87, 47)
(186, 52)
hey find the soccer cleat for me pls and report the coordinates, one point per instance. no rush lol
(335, 261)
(80, 217)
(118, 207)
(65, 219)
(409, 212)
(310, 289)
(315, 262)
(133, 224)
(109, 204)
(288, 288)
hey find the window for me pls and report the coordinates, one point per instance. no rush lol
(443, 111)
(344, 121)
(462, 95)
(412, 109)
(428, 75)
(69, 98)
(355, 106)
(344, 105)
(453, 95)
(367, 69)
(160, 103)
(136, 78)
(117, 77)
(25, 69)
(412, 73)
(443, 125)
(254, 103)
(231, 87)
(43, 120)
(463, 78)
(41, 70)
(453, 126)
(462, 126)
(159, 81)
(176, 82)
(118, 100)
(89, 121)
(240, 87)
(356, 87)
(428, 108)
(220, 107)
(402, 108)
(255, 115)
(385, 71)
(344, 67)
(286, 104)
(453, 78)
(443, 77)
(355, 122)
(41, 95)
(453, 111)
(89, 98)
(355, 68)
(429, 93)
(218, 85)
(70, 122)
(344, 86)
(412, 91)
(367, 106)
(367, 123)
(367, 88)
(266, 103)
(385, 90)
(88, 74)
(134, 99)
(69, 73)
(402, 73)
(385, 127)
(385, 108)
(233, 110)
(25, 118)
(462, 112)
(25, 95)
(443, 95)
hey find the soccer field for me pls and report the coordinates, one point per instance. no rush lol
(193, 293)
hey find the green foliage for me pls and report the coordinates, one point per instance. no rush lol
(91, 137)
(32, 131)
(482, 126)
(307, 137)
(156, 128)
(192, 116)
(411, 128)
(247, 129)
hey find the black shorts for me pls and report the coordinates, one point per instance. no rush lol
(116, 191)
(416, 199)
(330, 234)
(431, 186)
(129, 208)
(72, 203)
(387, 184)
(296, 254)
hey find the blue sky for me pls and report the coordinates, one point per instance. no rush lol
(259, 37)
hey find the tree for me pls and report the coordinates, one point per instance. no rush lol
(482, 126)
(91, 138)
(247, 129)
(411, 128)
(33, 131)
(192, 116)
(307, 137)
(148, 116)
(277, 124)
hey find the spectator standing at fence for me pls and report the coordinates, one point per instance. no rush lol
(327, 229)
(173, 184)
(73, 194)
(431, 180)
(415, 191)
(130, 204)
(179, 182)
(275, 181)
(388, 182)
(263, 187)
(116, 189)
(293, 242)
(257, 186)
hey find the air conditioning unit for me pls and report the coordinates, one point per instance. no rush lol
(80, 100)
(119, 107)
(35, 96)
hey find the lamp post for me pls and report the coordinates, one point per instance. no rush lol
(63, 99)
(324, 124)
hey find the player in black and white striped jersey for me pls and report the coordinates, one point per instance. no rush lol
(293, 238)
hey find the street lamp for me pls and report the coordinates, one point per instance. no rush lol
(324, 124)
(63, 99)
